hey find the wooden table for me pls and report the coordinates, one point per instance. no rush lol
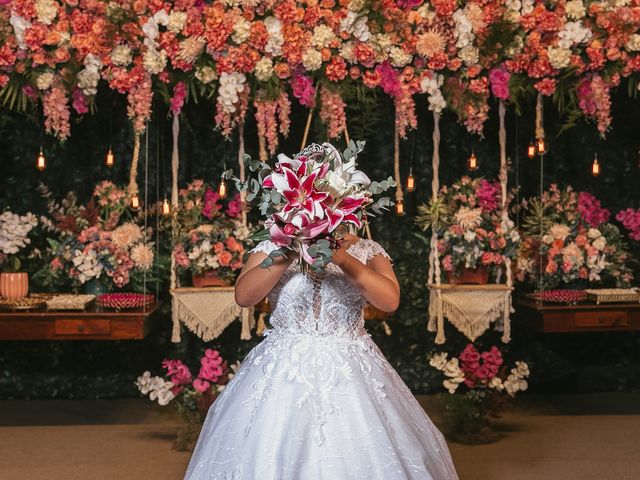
(583, 317)
(92, 324)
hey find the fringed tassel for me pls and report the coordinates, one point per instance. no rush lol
(132, 189)
(246, 315)
(387, 328)
(262, 326)
(396, 170)
(175, 331)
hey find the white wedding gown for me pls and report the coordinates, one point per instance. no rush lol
(316, 399)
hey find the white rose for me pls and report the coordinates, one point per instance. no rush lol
(469, 55)
(44, 80)
(559, 57)
(121, 56)
(264, 69)
(399, 58)
(177, 21)
(469, 236)
(600, 243)
(312, 59)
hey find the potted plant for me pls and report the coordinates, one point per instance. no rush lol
(210, 239)
(14, 237)
(192, 396)
(479, 385)
(568, 242)
(473, 242)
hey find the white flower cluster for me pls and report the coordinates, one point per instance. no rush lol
(46, 10)
(241, 231)
(231, 84)
(468, 219)
(312, 59)
(451, 370)
(154, 60)
(176, 21)
(121, 55)
(156, 387)
(356, 24)
(87, 265)
(241, 30)
(276, 40)
(206, 74)
(322, 36)
(44, 80)
(515, 382)
(14, 231)
(559, 57)
(203, 257)
(264, 69)
(573, 33)
(430, 84)
(399, 57)
(89, 76)
(464, 38)
(633, 45)
(575, 9)
(20, 25)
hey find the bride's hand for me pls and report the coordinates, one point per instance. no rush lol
(340, 254)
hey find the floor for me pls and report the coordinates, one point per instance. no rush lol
(559, 437)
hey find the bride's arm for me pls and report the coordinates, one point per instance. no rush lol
(376, 280)
(255, 282)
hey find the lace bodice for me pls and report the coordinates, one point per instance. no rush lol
(319, 305)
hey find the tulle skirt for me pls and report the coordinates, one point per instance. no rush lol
(306, 407)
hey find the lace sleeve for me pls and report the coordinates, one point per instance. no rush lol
(366, 249)
(266, 246)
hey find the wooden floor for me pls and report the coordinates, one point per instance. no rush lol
(584, 437)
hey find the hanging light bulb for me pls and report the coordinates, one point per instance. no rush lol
(166, 208)
(41, 161)
(222, 189)
(540, 146)
(531, 151)
(472, 163)
(595, 166)
(411, 182)
(135, 201)
(400, 208)
(109, 160)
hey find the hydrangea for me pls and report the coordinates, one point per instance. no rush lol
(14, 231)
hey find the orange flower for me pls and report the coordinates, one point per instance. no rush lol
(218, 247)
(282, 70)
(225, 258)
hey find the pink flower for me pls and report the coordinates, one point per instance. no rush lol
(499, 78)
(179, 95)
(79, 101)
(303, 89)
(389, 79)
(178, 372)
(630, 219)
(447, 263)
(234, 207)
(488, 195)
(211, 206)
(591, 210)
(201, 385)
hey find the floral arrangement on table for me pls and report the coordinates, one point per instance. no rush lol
(569, 242)
(99, 245)
(488, 384)
(14, 238)
(458, 53)
(192, 396)
(467, 218)
(308, 197)
(210, 235)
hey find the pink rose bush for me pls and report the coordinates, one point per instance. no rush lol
(577, 245)
(480, 371)
(192, 395)
(630, 219)
(468, 219)
(307, 197)
(211, 235)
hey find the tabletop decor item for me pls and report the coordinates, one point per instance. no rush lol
(310, 199)
(473, 244)
(123, 301)
(613, 295)
(23, 303)
(567, 296)
(190, 395)
(568, 242)
(69, 302)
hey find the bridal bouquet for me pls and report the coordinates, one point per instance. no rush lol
(311, 199)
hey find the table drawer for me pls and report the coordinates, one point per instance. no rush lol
(82, 327)
(595, 319)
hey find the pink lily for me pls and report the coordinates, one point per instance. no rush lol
(300, 195)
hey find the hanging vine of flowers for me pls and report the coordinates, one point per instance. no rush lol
(456, 52)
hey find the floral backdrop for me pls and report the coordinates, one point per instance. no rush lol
(243, 53)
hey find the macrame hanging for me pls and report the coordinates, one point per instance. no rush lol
(132, 189)
(470, 308)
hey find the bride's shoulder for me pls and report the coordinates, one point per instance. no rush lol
(365, 249)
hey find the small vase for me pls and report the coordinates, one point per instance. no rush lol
(95, 287)
(472, 276)
(14, 285)
(210, 278)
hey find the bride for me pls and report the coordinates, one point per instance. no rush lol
(317, 400)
